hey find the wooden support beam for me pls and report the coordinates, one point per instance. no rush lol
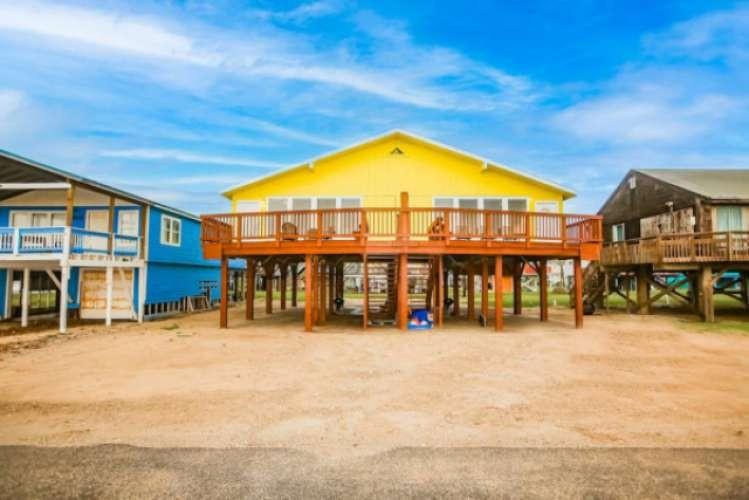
(109, 281)
(223, 321)
(309, 296)
(314, 289)
(283, 285)
(470, 292)
(365, 286)
(64, 280)
(294, 284)
(339, 283)
(456, 291)
(332, 271)
(402, 287)
(643, 290)
(249, 309)
(442, 290)
(485, 288)
(110, 225)
(498, 295)
(430, 288)
(25, 297)
(321, 315)
(578, 293)
(270, 267)
(543, 290)
(707, 304)
(69, 205)
(517, 287)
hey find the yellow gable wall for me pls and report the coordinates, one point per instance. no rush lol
(378, 177)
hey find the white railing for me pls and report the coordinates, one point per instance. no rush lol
(26, 241)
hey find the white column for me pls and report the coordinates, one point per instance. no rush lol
(25, 297)
(64, 280)
(141, 293)
(110, 282)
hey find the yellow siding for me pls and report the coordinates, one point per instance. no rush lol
(377, 176)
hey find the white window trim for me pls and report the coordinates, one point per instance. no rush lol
(505, 200)
(624, 232)
(313, 198)
(32, 211)
(137, 220)
(164, 217)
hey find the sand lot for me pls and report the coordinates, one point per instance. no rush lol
(623, 380)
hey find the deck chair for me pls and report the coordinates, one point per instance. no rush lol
(289, 232)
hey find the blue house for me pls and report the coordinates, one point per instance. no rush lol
(71, 245)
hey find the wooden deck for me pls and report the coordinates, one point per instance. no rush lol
(390, 231)
(679, 249)
(476, 241)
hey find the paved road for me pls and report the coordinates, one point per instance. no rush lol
(116, 471)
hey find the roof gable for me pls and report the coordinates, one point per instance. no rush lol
(481, 162)
(716, 184)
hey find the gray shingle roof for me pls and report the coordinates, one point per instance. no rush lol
(718, 184)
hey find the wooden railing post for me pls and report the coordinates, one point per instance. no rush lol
(729, 242)
(527, 228)
(404, 219)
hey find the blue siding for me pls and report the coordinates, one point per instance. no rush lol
(3, 291)
(168, 282)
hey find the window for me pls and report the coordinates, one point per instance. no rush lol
(617, 232)
(171, 229)
(127, 222)
(513, 204)
(547, 206)
(729, 218)
(37, 219)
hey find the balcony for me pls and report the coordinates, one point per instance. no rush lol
(402, 230)
(39, 243)
(687, 248)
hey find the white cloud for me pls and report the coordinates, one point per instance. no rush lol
(639, 117)
(189, 157)
(303, 12)
(715, 35)
(396, 69)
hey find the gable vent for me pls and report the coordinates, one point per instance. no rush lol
(397, 151)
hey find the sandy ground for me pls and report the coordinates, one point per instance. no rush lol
(622, 381)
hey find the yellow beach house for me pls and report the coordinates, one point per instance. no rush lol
(403, 206)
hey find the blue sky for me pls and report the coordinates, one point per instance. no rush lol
(179, 100)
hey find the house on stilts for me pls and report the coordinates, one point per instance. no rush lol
(74, 246)
(677, 233)
(424, 223)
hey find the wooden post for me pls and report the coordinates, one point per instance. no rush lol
(321, 317)
(707, 304)
(402, 286)
(365, 287)
(25, 297)
(485, 288)
(643, 290)
(142, 229)
(498, 294)
(109, 273)
(332, 272)
(270, 266)
(64, 280)
(442, 290)
(314, 289)
(517, 287)
(294, 284)
(404, 220)
(309, 296)
(470, 292)
(339, 284)
(430, 289)
(578, 293)
(543, 289)
(223, 321)
(110, 226)
(249, 309)
(69, 205)
(456, 292)
(283, 285)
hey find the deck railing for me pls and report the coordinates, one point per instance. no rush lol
(397, 224)
(679, 248)
(61, 240)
